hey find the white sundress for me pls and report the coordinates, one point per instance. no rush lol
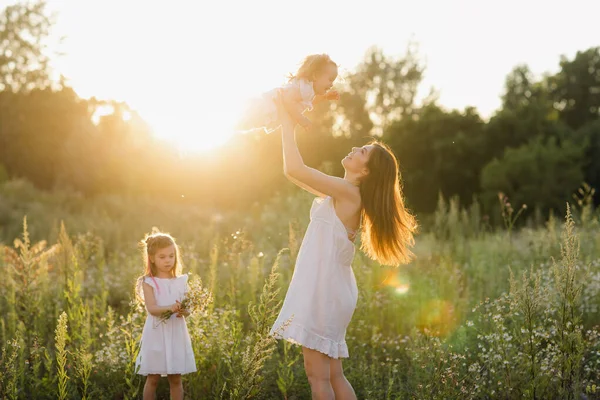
(166, 347)
(261, 112)
(323, 293)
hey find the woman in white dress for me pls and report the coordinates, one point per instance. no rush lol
(166, 348)
(322, 294)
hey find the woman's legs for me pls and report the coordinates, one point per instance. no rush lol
(317, 368)
(341, 387)
(150, 386)
(176, 386)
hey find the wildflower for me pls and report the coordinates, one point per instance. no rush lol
(195, 300)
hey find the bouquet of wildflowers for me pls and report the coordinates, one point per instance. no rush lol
(196, 299)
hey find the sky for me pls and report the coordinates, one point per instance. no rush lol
(188, 66)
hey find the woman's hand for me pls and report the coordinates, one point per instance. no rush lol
(176, 307)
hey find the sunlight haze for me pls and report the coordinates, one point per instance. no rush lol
(188, 66)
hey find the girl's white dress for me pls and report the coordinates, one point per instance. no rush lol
(261, 112)
(166, 347)
(322, 295)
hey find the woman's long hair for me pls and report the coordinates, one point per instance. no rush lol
(388, 227)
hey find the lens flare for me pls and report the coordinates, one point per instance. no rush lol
(395, 280)
(437, 318)
(402, 288)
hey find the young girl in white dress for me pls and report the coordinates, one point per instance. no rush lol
(166, 348)
(310, 85)
(323, 293)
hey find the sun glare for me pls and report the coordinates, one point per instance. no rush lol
(194, 134)
(190, 99)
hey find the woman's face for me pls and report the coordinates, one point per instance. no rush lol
(356, 161)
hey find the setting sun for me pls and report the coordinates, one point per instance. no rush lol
(193, 133)
(187, 87)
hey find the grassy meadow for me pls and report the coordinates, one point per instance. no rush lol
(482, 313)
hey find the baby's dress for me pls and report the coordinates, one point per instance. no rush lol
(261, 112)
(322, 295)
(166, 347)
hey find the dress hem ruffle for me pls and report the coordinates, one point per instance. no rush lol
(297, 334)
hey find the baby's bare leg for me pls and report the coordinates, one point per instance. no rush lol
(291, 102)
(300, 118)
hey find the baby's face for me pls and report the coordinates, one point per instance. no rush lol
(325, 78)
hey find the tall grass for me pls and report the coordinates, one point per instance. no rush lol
(478, 314)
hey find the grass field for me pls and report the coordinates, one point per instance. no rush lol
(480, 314)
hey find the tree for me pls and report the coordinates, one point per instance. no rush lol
(384, 87)
(576, 88)
(38, 124)
(540, 173)
(521, 89)
(589, 136)
(438, 151)
(527, 112)
(24, 58)
(24, 28)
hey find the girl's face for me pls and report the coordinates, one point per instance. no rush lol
(164, 260)
(324, 79)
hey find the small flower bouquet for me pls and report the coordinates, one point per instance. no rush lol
(195, 300)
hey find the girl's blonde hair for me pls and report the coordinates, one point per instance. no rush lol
(388, 227)
(150, 245)
(311, 65)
